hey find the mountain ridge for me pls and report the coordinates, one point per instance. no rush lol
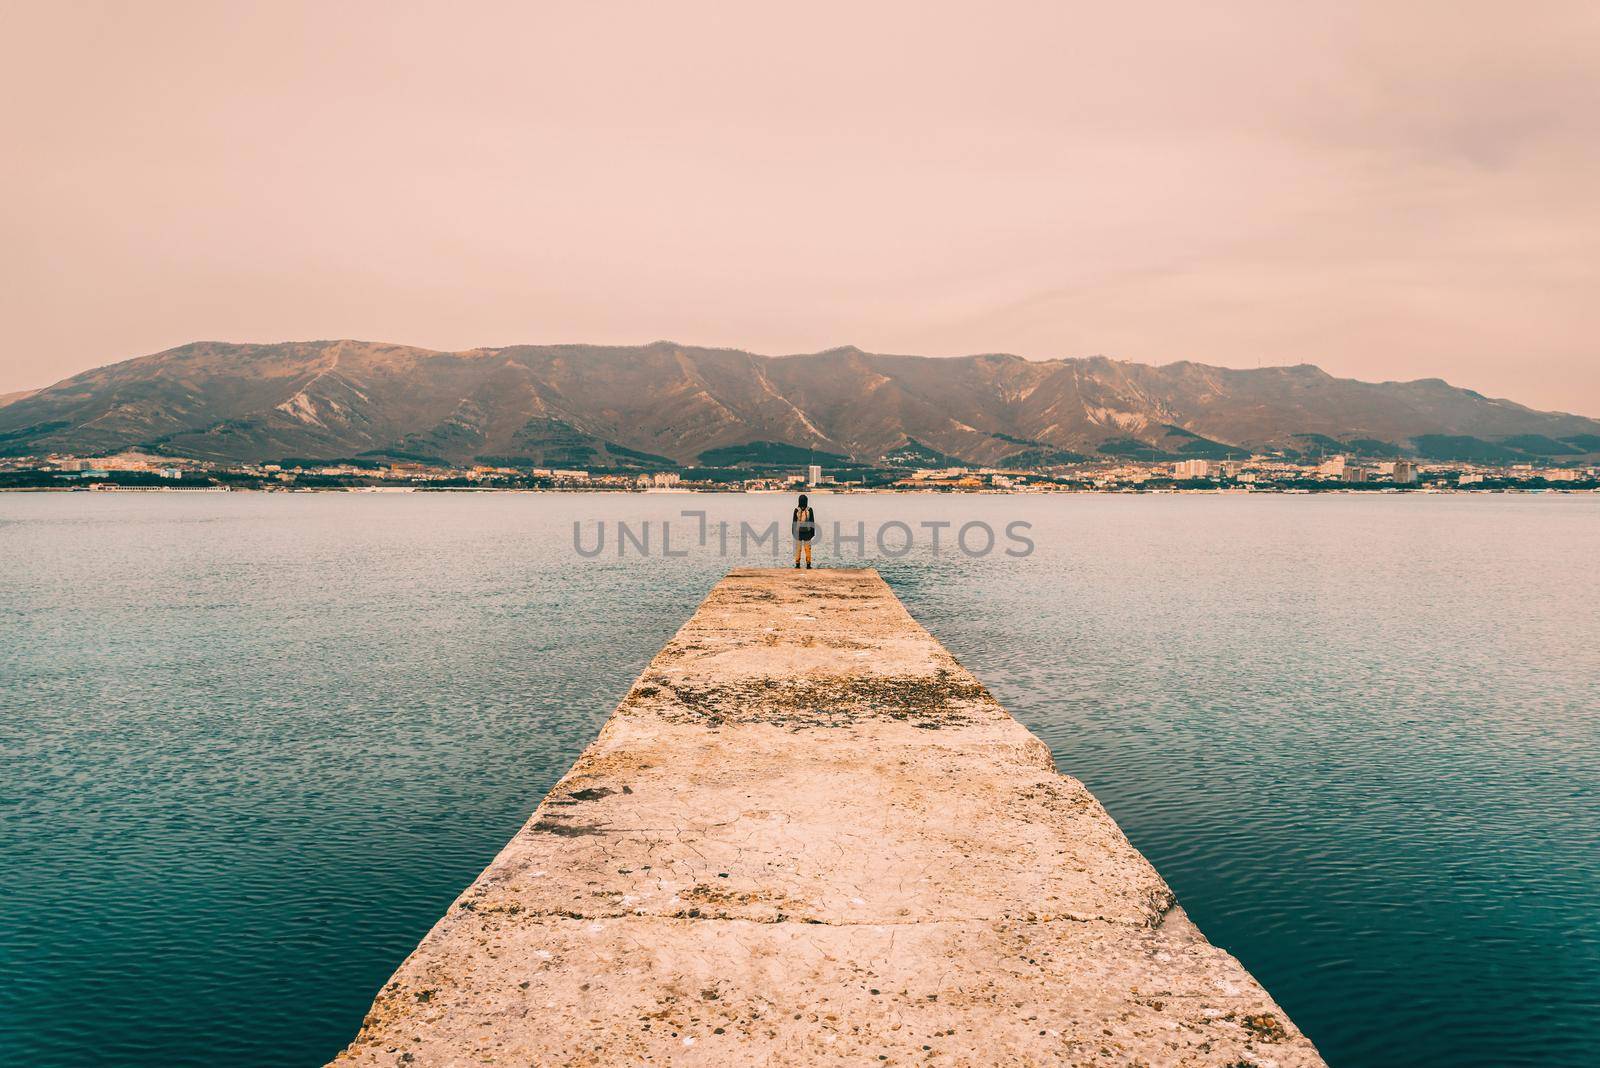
(666, 403)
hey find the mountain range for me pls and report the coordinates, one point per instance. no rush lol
(666, 404)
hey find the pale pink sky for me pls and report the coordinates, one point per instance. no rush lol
(1387, 190)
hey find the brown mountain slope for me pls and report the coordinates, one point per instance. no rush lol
(669, 403)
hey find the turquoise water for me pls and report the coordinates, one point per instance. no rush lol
(252, 745)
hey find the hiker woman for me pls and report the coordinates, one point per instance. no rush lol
(805, 528)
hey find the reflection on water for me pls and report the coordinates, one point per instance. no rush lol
(255, 744)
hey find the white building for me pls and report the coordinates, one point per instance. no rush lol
(1191, 469)
(814, 475)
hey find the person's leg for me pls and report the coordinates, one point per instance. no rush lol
(808, 554)
(797, 545)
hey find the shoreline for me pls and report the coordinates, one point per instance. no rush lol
(831, 492)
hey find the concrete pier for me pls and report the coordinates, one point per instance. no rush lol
(809, 835)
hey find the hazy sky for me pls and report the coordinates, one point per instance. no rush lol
(1387, 190)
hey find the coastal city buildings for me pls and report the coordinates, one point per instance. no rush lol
(1258, 474)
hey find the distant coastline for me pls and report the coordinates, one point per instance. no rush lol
(211, 480)
(1259, 472)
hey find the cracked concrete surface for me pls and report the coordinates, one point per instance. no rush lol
(809, 835)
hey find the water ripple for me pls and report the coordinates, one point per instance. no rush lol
(254, 745)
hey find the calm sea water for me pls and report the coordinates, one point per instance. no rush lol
(251, 746)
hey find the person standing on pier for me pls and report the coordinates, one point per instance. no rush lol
(805, 528)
